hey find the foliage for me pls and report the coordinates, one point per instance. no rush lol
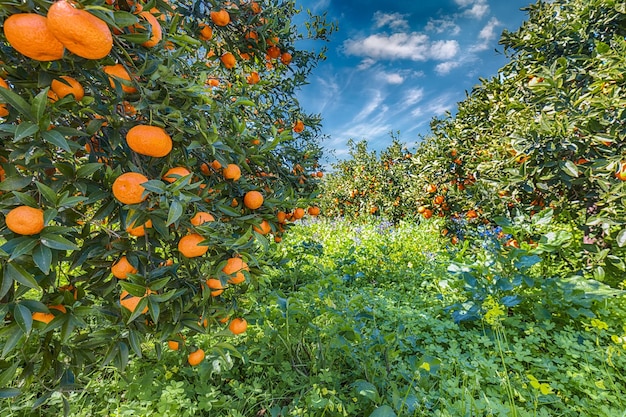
(64, 155)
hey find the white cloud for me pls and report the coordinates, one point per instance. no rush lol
(486, 35)
(443, 25)
(321, 4)
(445, 67)
(413, 96)
(373, 104)
(435, 107)
(393, 20)
(391, 78)
(413, 46)
(365, 64)
(477, 8)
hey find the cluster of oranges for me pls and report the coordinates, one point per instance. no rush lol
(164, 180)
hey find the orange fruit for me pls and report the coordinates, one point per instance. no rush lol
(29, 35)
(189, 245)
(176, 173)
(140, 230)
(232, 172)
(216, 165)
(439, 199)
(427, 213)
(621, 172)
(58, 307)
(273, 52)
(79, 31)
(253, 78)
(122, 268)
(25, 220)
(298, 213)
(206, 32)
(263, 228)
(4, 110)
(149, 140)
(431, 188)
(155, 29)
(66, 86)
(127, 188)
(215, 285)
(285, 58)
(234, 268)
(220, 17)
(298, 126)
(43, 317)
(228, 59)
(314, 211)
(130, 302)
(173, 344)
(238, 325)
(281, 217)
(196, 357)
(254, 6)
(201, 217)
(253, 200)
(117, 73)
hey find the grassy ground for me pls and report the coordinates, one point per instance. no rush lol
(356, 322)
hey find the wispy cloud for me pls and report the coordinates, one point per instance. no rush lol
(320, 5)
(373, 103)
(474, 8)
(486, 35)
(445, 67)
(396, 21)
(442, 25)
(391, 77)
(413, 96)
(413, 46)
(435, 107)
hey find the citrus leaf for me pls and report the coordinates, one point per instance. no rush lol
(134, 339)
(383, 411)
(24, 130)
(56, 138)
(17, 103)
(7, 375)
(26, 246)
(14, 183)
(19, 274)
(12, 339)
(48, 193)
(23, 318)
(9, 392)
(174, 213)
(87, 169)
(621, 238)
(39, 104)
(57, 242)
(42, 256)
(570, 169)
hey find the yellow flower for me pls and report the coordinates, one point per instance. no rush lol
(495, 311)
(599, 324)
(542, 387)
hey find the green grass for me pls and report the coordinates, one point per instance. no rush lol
(356, 323)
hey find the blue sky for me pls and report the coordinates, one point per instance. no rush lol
(394, 65)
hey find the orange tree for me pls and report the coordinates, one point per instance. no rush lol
(547, 133)
(132, 133)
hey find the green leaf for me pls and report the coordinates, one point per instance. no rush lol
(12, 339)
(18, 273)
(7, 375)
(174, 213)
(48, 193)
(26, 246)
(134, 339)
(6, 285)
(570, 169)
(86, 170)
(124, 19)
(57, 242)
(366, 389)
(17, 103)
(14, 183)
(621, 238)
(383, 411)
(9, 392)
(38, 107)
(56, 138)
(23, 318)
(42, 256)
(24, 130)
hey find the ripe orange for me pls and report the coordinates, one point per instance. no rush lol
(215, 285)
(43, 317)
(431, 188)
(314, 211)
(228, 59)
(4, 110)
(29, 35)
(232, 172)
(298, 213)
(220, 18)
(117, 73)
(427, 213)
(149, 140)
(273, 52)
(438, 200)
(253, 78)
(253, 200)
(621, 172)
(263, 228)
(196, 357)
(201, 217)
(285, 58)
(127, 188)
(238, 326)
(173, 344)
(254, 6)
(79, 31)
(234, 268)
(58, 307)
(175, 173)
(25, 220)
(206, 32)
(298, 126)
(66, 86)
(156, 31)
(122, 268)
(189, 245)
(471, 214)
(130, 302)
(140, 230)
(216, 164)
